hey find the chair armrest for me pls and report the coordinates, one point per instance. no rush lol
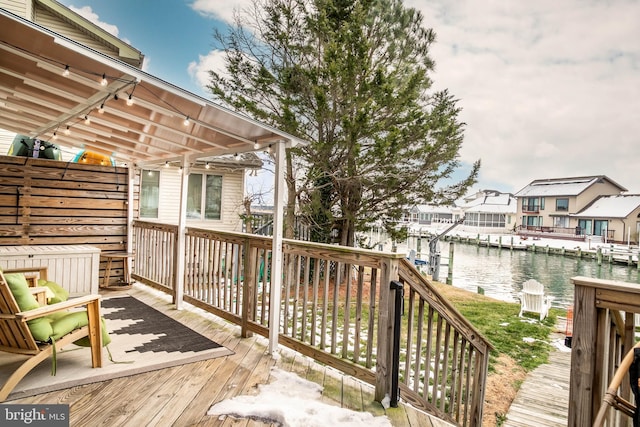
(53, 308)
(42, 271)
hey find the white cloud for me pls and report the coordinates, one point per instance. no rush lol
(88, 13)
(217, 9)
(199, 71)
(548, 89)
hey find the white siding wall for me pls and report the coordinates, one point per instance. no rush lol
(19, 7)
(232, 195)
(48, 20)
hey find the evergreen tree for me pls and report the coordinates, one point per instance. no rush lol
(352, 78)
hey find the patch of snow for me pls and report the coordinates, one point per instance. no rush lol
(293, 401)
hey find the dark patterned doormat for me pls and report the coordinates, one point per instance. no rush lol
(142, 340)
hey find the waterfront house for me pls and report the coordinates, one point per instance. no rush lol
(429, 214)
(549, 206)
(489, 212)
(617, 216)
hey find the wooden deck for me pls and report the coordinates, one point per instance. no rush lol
(181, 396)
(543, 399)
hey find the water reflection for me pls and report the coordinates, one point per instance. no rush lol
(501, 272)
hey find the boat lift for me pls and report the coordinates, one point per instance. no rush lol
(434, 251)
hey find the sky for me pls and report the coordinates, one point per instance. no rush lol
(548, 89)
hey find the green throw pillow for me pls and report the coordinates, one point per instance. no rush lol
(60, 293)
(20, 290)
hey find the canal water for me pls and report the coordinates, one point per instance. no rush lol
(501, 272)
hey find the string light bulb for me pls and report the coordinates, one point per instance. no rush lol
(236, 157)
(67, 131)
(130, 100)
(186, 121)
(87, 120)
(256, 146)
(55, 136)
(207, 165)
(104, 81)
(166, 164)
(65, 73)
(101, 109)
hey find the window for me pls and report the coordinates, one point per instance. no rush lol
(149, 193)
(562, 205)
(204, 195)
(561, 221)
(476, 219)
(532, 221)
(532, 204)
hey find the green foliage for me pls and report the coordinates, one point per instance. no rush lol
(352, 78)
(524, 339)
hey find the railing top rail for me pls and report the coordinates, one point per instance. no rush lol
(155, 225)
(613, 285)
(324, 247)
(233, 236)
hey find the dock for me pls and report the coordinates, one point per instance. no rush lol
(543, 398)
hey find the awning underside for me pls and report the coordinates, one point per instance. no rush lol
(38, 98)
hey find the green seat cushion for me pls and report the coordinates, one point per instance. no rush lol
(60, 293)
(57, 325)
(21, 292)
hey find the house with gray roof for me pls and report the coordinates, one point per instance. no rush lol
(550, 206)
(489, 211)
(617, 217)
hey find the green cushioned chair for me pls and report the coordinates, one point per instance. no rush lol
(39, 331)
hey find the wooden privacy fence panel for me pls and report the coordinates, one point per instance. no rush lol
(336, 308)
(48, 202)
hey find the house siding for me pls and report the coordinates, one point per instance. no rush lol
(232, 196)
(18, 7)
(593, 192)
(48, 20)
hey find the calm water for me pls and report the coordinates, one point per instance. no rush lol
(501, 272)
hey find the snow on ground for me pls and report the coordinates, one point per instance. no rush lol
(291, 401)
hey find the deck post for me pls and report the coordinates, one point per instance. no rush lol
(249, 286)
(276, 257)
(389, 272)
(583, 355)
(178, 279)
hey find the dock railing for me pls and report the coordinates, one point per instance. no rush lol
(603, 332)
(337, 307)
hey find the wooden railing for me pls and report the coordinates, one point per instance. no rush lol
(453, 382)
(336, 307)
(603, 332)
